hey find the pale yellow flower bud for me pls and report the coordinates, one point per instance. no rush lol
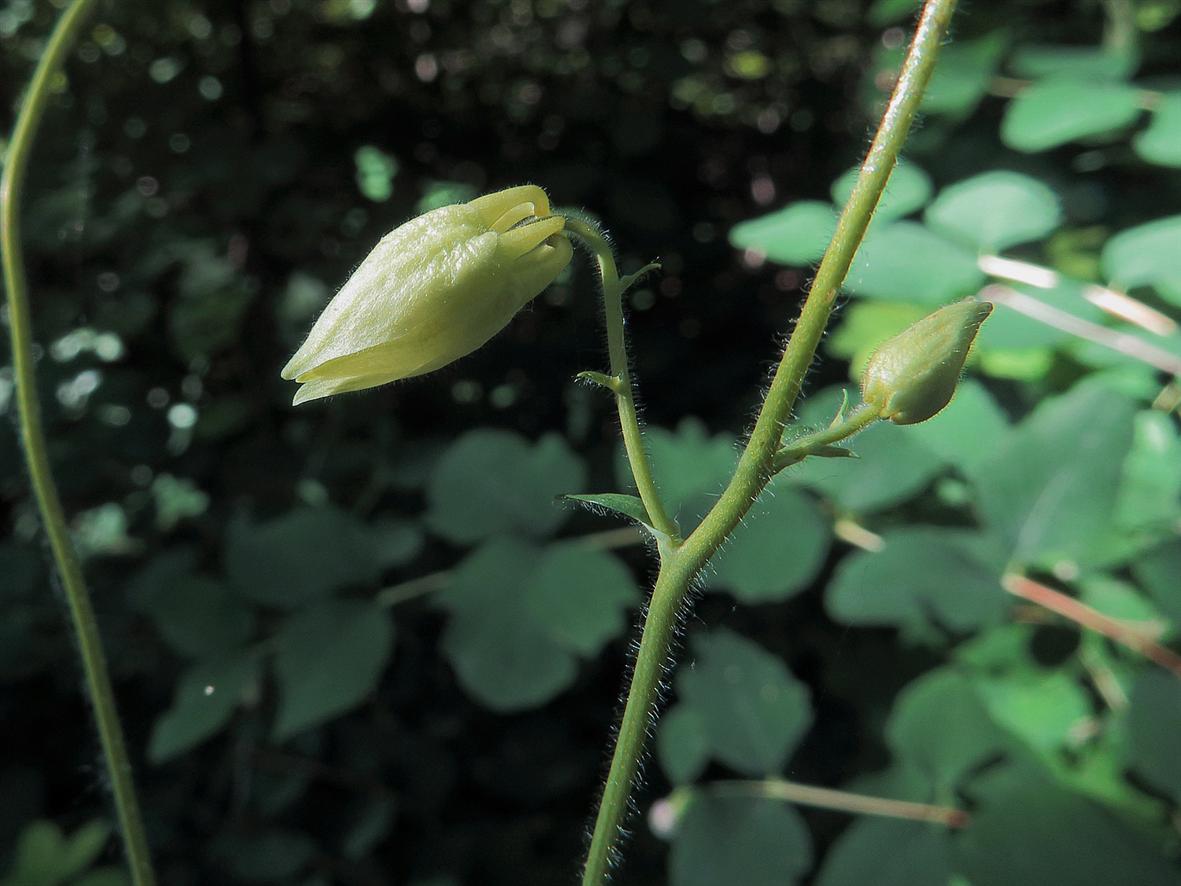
(433, 290)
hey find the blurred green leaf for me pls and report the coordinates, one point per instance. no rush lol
(581, 597)
(1158, 572)
(330, 658)
(907, 191)
(1083, 62)
(1026, 830)
(795, 235)
(199, 617)
(1050, 488)
(1039, 706)
(1160, 143)
(967, 430)
(519, 614)
(1154, 722)
(905, 261)
(745, 840)
(776, 551)
(273, 856)
(1150, 488)
(682, 744)
(1063, 109)
(46, 857)
(887, 852)
(939, 726)
(491, 482)
(206, 696)
(1146, 255)
(887, 12)
(949, 577)
(995, 210)
(963, 73)
(304, 554)
(753, 710)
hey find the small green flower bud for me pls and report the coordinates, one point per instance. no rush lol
(913, 376)
(433, 290)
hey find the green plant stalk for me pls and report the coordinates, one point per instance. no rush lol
(620, 382)
(98, 681)
(756, 466)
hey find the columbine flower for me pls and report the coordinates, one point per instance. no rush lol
(914, 375)
(432, 291)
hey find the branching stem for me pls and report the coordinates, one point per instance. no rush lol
(620, 381)
(681, 565)
(98, 682)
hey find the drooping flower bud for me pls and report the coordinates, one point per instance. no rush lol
(912, 376)
(433, 290)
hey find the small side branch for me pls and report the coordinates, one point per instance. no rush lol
(620, 381)
(842, 801)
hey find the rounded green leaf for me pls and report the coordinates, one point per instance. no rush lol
(888, 852)
(501, 650)
(940, 727)
(963, 72)
(580, 597)
(1048, 506)
(1058, 110)
(776, 551)
(995, 210)
(200, 617)
(304, 554)
(1154, 723)
(739, 840)
(922, 575)
(1158, 572)
(906, 261)
(754, 711)
(206, 697)
(1026, 830)
(795, 235)
(1146, 255)
(682, 744)
(1091, 62)
(908, 190)
(1160, 143)
(504, 664)
(330, 658)
(492, 482)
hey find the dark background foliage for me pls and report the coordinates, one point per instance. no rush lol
(210, 176)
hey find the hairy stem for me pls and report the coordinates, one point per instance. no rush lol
(757, 464)
(621, 382)
(98, 682)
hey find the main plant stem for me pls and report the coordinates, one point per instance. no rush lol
(94, 665)
(757, 465)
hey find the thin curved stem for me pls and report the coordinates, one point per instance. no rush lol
(98, 681)
(842, 801)
(757, 464)
(620, 381)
